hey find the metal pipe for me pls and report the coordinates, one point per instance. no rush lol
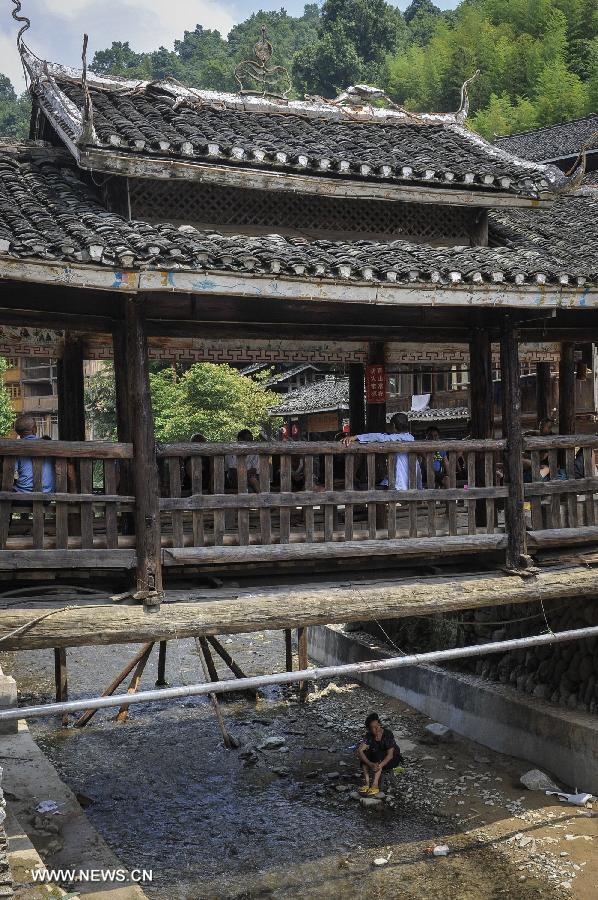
(258, 681)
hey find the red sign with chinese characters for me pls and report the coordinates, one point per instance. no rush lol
(375, 384)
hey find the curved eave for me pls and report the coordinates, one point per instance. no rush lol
(258, 287)
(131, 166)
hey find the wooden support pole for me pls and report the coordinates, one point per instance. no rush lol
(161, 680)
(543, 391)
(517, 558)
(288, 649)
(227, 658)
(229, 742)
(71, 398)
(356, 400)
(208, 658)
(123, 712)
(145, 470)
(88, 714)
(481, 399)
(302, 661)
(60, 679)
(375, 413)
(567, 389)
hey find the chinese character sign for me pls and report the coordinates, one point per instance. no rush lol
(375, 384)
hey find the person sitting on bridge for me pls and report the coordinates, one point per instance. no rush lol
(26, 428)
(378, 752)
(439, 460)
(252, 462)
(399, 432)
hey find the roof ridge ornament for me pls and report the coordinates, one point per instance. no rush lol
(88, 133)
(363, 95)
(263, 78)
(575, 175)
(463, 110)
(15, 14)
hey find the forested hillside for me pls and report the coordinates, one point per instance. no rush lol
(538, 58)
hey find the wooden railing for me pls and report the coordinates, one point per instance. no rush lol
(261, 501)
(561, 486)
(223, 503)
(84, 522)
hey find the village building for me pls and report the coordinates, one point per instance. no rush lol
(149, 220)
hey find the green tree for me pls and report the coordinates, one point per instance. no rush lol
(560, 95)
(15, 111)
(214, 399)
(7, 413)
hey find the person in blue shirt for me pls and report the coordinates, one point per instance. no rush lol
(439, 461)
(26, 429)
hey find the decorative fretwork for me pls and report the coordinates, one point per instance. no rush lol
(254, 212)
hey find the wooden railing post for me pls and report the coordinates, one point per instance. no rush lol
(511, 423)
(145, 469)
(71, 401)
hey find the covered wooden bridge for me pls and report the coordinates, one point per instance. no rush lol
(149, 220)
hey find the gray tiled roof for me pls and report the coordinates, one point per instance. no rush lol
(289, 373)
(326, 395)
(48, 212)
(552, 142)
(166, 120)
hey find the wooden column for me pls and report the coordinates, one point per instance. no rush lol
(145, 469)
(481, 400)
(543, 391)
(71, 398)
(356, 399)
(121, 382)
(375, 413)
(511, 425)
(567, 389)
(481, 407)
(61, 680)
(302, 662)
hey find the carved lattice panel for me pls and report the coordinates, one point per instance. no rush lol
(253, 211)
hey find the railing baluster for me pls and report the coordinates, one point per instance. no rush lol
(285, 487)
(62, 514)
(197, 487)
(110, 509)
(588, 469)
(452, 504)
(174, 480)
(412, 463)
(265, 514)
(489, 479)
(555, 499)
(571, 497)
(86, 486)
(329, 509)
(471, 483)
(536, 502)
(309, 518)
(37, 530)
(371, 470)
(391, 506)
(431, 483)
(349, 486)
(219, 522)
(242, 514)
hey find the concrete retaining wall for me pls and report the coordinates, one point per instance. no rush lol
(560, 741)
(8, 697)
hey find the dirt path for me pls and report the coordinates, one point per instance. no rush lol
(280, 822)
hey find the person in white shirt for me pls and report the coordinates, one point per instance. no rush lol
(399, 432)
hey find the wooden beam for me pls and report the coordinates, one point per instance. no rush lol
(511, 424)
(567, 389)
(290, 607)
(543, 391)
(71, 390)
(145, 470)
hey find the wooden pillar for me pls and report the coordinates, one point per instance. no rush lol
(71, 397)
(121, 382)
(356, 399)
(511, 425)
(543, 391)
(481, 405)
(145, 469)
(161, 680)
(60, 679)
(567, 389)
(288, 649)
(481, 400)
(375, 413)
